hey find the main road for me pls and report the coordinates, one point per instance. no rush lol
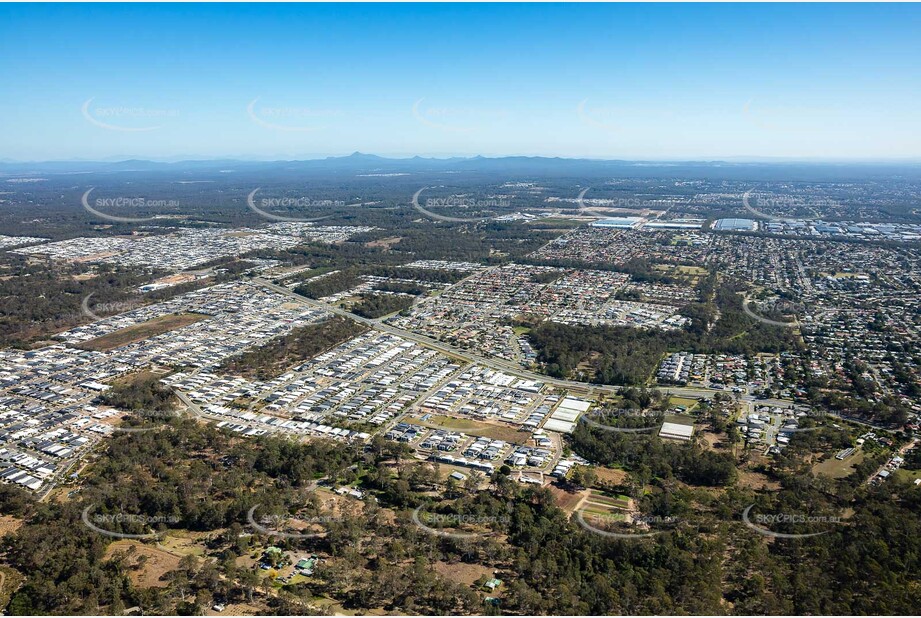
(471, 357)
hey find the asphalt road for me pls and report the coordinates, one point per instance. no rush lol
(493, 363)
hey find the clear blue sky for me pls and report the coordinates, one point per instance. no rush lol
(612, 81)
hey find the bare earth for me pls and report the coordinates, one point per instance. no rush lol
(159, 562)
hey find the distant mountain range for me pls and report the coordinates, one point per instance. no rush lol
(364, 164)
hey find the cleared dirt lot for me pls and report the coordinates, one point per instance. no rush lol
(567, 500)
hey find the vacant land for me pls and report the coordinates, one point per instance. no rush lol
(301, 344)
(144, 330)
(462, 572)
(472, 427)
(378, 305)
(384, 243)
(605, 509)
(619, 501)
(688, 403)
(837, 468)
(610, 475)
(566, 499)
(679, 419)
(146, 564)
(9, 524)
(181, 544)
(907, 475)
(749, 479)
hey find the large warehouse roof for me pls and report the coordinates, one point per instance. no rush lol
(676, 431)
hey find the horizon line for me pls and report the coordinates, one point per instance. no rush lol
(174, 159)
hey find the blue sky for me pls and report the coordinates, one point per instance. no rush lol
(654, 81)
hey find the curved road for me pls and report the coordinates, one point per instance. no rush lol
(493, 363)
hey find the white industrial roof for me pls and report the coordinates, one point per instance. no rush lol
(676, 430)
(560, 426)
(575, 404)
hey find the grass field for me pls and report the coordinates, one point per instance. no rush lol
(477, 428)
(683, 401)
(600, 507)
(693, 273)
(142, 331)
(618, 502)
(837, 468)
(907, 475)
(678, 419)
(590, 508)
